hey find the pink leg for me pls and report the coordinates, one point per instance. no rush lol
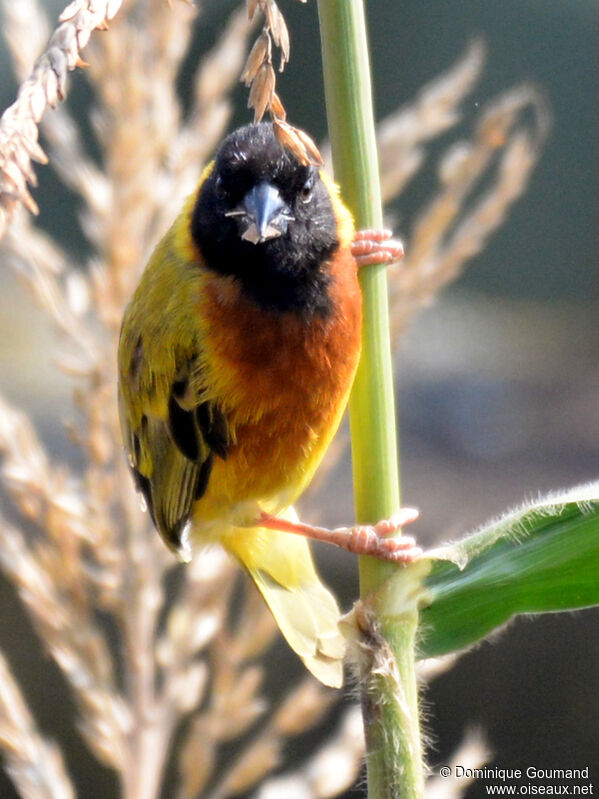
(361, 540)
(376, 247)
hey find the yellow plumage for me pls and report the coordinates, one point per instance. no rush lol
(227, 409)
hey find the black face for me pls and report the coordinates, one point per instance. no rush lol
(267, 220)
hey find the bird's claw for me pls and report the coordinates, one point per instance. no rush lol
(379, 541)
(376, 247)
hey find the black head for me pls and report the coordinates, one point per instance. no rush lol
(267, 220)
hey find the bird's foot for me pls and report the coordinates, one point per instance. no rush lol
(376, 247)
(377, 540)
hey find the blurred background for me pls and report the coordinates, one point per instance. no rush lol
(498, 381)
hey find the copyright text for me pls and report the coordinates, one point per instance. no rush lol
(531, 781)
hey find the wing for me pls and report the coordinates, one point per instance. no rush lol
(171, 454)
(172, 433)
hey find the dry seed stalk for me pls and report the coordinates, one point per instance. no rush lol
(506, 146)
(34, 763)
(45, 86)
(508, 141)
(91, 550)
(259, 75)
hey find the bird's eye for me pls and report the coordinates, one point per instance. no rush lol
(219, 187)
(307, 190)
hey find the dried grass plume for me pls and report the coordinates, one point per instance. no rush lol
(165, 677)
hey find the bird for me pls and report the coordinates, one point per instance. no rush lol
(236, 357)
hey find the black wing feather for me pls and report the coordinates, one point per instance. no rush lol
(213, 424)
(184, 430)
(203, 477)
(178, 452)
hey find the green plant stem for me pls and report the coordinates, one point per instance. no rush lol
(389, 697)
(394, 749)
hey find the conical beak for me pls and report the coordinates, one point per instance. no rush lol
(262, 214)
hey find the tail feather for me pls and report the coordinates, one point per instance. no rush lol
(306, 612)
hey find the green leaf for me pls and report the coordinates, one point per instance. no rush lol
(543, 557)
